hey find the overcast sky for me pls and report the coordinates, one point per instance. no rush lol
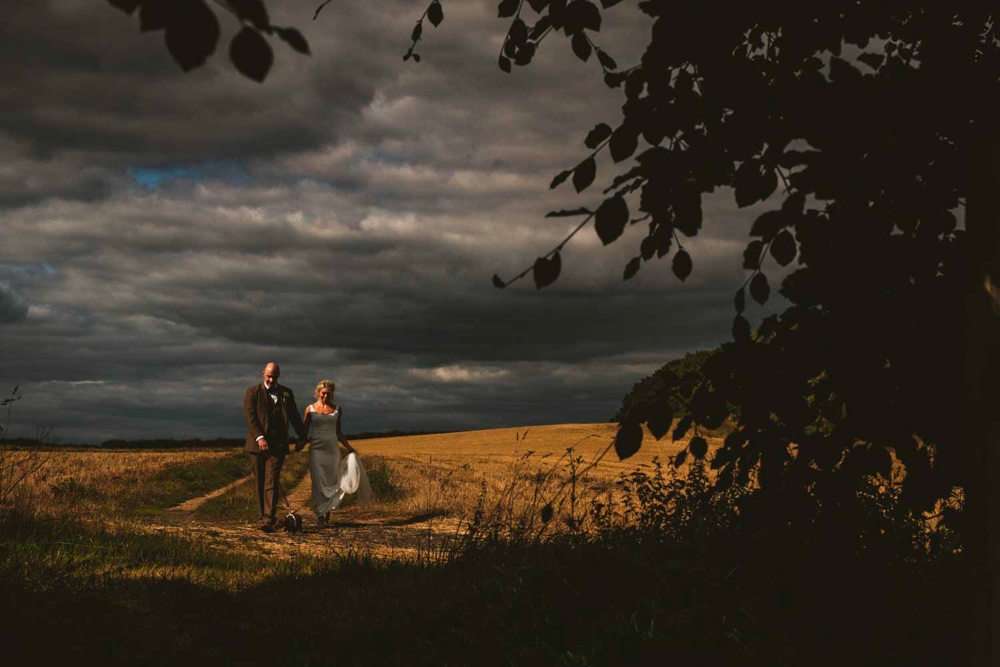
(163, 235)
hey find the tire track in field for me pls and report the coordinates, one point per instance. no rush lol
(192, 504)
(381, 530)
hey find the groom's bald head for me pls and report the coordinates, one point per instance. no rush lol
(271, 373)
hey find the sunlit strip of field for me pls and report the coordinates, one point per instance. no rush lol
(89, 482)
(448, 472)
(544, 443)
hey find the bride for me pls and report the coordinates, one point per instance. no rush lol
(333, 477)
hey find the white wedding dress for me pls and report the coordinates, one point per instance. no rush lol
(333, 477)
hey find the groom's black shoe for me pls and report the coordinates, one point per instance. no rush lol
(268, 526)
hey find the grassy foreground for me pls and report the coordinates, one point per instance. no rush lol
(654, 569)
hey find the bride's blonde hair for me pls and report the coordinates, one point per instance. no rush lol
(324, 384)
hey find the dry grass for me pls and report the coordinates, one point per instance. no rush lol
(435, 484)
(446, 473)
(84, 483)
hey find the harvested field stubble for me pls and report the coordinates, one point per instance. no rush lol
(87, 483)
(448, 472)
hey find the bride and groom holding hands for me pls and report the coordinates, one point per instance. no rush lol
(269, 409)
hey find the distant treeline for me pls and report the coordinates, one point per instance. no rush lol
(642, 393)
(171, 443)
(192, 443)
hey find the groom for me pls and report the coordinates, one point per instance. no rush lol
(268, 407)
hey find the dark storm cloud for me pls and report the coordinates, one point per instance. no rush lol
(172, 232)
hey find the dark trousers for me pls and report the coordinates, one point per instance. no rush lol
(266, 472)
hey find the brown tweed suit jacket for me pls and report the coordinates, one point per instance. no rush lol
(270, 420)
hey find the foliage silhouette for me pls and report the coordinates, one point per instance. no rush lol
(873, 154)
(191, 32)
(874, 124)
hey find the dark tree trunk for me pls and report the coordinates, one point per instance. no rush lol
(981, 404)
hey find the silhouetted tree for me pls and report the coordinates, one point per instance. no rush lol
(876, 121)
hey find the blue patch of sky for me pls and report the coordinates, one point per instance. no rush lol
(40, 268)
(222, 170)
(377, 155)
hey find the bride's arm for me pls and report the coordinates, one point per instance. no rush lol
(306, 421)
(340, 435)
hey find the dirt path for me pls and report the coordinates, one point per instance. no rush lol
(194, 503)
(379, 530)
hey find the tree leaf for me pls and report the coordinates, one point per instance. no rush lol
(518, 32)
(635, 83)
(682, 427)
(746, 183)
(751, 256)
(794, 204)
(127, 6)
(192, 34)
(497, 282)
(607, 62)
(873, 60)
(505, 66)
(584, 173)
(648, 247)
(507, 8)
(611, 218)
(600, 132)
(664, 239)
(541, 25)
(698, 447)
(740, 301)
(547, 513)
(680, 458)
(767, 224)
(628, 439)
(252, 11)
(581, 46)
(580, 15)
(753, 184)
(538, 5)
(562, 175)
(614, 79)
(632, 267)
(741, 330)
(624, 141)
(783, 248)
(759, 289)
(524, 54)
(435, 14)
(682, 265)
(417, 31)
(566, 213)
(661, 416)
(294, 39)
(768, 183)
(545, 271)
(251, 54)
(155, 15)
(687, 211)
(609, 3)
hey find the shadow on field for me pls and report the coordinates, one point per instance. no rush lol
(669, 571)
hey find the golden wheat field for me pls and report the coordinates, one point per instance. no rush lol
(441, 480)
(456, 465)
(87, 481)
